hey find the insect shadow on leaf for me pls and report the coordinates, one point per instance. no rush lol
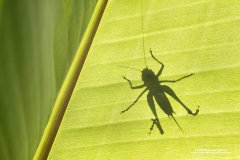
(156, 90)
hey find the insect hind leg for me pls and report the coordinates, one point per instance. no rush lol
(171, 93)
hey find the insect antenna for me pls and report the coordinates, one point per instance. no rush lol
(130, 68)
(143, 39)
(176, 123)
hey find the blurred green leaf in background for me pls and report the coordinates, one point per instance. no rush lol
(187, 36)
(38, 40)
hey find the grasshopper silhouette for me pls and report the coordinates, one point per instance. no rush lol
(158, 91)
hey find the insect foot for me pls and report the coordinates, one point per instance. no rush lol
(194, 114)
(123, 111)
(155, 122)
(150, 50)
(125, 78)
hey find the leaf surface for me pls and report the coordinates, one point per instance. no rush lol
(38, 40)
(188, 36)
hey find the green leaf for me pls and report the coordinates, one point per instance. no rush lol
(38, 40)
(188, 36)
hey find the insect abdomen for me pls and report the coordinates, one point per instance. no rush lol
(163, 102)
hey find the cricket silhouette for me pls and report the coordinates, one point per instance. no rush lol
(155, 89)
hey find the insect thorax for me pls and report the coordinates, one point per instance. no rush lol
(150, 79)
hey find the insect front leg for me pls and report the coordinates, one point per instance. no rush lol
(153, 109)
(135, 101)
(171, 93)
(162, 65)
(133, 87)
